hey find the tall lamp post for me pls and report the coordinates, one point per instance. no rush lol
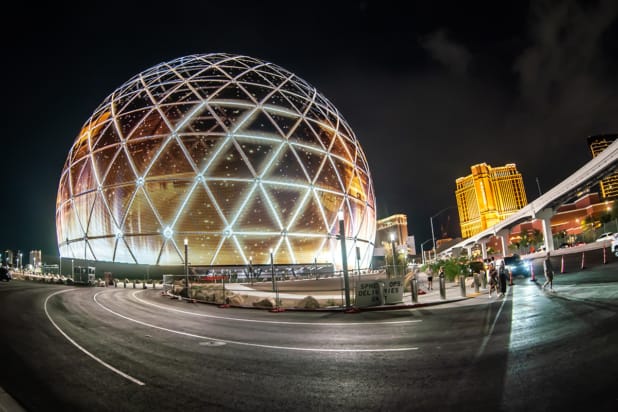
(423, 251)
(394, 254)
(344, 260)
(433, 237)
(272, 269)
(187, 267)
(251, 269)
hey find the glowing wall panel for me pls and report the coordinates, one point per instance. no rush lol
(236, 155)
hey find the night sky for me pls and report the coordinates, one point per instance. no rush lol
(428, 89)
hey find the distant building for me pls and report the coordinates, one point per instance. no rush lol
(487, 196)
(609, 185)
(396, 225)
(35, 258)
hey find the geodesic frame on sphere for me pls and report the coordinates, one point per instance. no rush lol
(234, 154)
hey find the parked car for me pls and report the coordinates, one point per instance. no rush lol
(606, 236)
(615, 245)
(516, 265)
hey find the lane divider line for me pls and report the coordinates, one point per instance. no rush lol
(78, 346)
(256, 345)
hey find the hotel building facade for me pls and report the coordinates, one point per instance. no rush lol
(487, 196)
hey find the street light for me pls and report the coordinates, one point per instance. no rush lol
(433, 237)
(187, 267)
(344, 259)
(394, 252)
(423, 252)
(251, 269)
(272, 269)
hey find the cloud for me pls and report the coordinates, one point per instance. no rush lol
(452, 55)
(565, 57)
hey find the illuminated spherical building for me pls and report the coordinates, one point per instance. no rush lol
(236, 155)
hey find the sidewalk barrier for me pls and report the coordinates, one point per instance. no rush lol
(583, 260)
(462, 285)
(604, 255)
(562, 265)
(414, 289)
(442, 287)
(532, 278)
(483, 280)
(510, 278)
(476, 282)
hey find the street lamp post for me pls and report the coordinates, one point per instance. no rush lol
(394, 254)
(272, 269)
(433, 237)
(251, 269)
(187, 267)
(344, 260)
(423, 251)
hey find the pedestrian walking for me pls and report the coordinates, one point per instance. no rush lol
(430, 279)
(502, 274)
(549, 273)
(493, 279)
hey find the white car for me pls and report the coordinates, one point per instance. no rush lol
(605, 236)
(615, 245)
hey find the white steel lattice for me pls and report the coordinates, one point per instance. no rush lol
(234, 154)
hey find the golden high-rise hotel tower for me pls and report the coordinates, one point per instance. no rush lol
(598, 143)
(487, 196)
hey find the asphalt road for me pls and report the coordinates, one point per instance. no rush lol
(100, 349)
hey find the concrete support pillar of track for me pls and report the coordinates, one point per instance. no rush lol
(483, 244)
(503, 236)
(545, 216)
(469, 249)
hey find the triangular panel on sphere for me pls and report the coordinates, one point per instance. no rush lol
(229, 164)
(309, 219)
(257, 215)
(140, 217)
(119, 170)
(286, 199)
(199, 213)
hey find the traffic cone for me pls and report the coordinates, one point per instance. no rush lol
(583, 260)
(562, 265)
(532, 278)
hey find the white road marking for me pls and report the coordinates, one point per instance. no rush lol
(483, 345)
(256, 345)
(271, 321)
(107, 365)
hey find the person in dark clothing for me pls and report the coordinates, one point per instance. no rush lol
(493, 279)
(502, 274)
(549, 273)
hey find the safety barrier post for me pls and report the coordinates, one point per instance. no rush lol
(442, 287)
(476, 282)
(583, 260)
(414, 287)
(562, 265)
(462, 285)
(532, 278)
(604, 255)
